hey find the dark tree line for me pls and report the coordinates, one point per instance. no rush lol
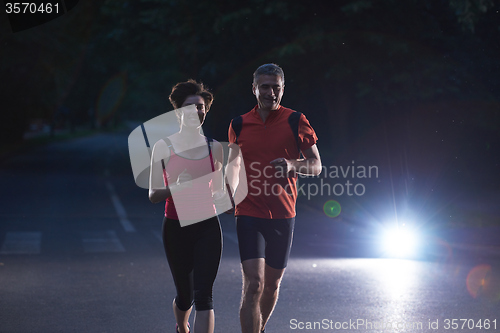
(364, 71)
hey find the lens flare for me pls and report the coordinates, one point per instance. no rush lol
(479, 281)
(331, 208)
(111, 96)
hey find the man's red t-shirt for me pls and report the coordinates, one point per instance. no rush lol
(270, 196)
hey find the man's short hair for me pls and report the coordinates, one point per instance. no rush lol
(268, 69)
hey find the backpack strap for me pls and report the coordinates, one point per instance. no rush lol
(236, 124)
(293, 121)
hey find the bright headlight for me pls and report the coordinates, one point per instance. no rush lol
(400, 242)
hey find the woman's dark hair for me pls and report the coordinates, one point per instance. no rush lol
(182, 90)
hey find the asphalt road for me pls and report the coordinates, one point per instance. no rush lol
(80, 251)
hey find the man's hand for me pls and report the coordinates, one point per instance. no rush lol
(282, 165)
(310, 165)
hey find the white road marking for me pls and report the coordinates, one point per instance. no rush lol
(120, 210)
(101, 241)
(22, 243)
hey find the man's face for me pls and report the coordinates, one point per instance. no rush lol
(269, 90)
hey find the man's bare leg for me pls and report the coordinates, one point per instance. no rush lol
(272, 281)
(253, 287)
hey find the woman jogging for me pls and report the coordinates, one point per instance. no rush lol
(186, 172)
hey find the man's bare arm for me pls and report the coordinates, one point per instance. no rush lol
(310, 165)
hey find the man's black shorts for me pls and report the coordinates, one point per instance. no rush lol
(265, 238)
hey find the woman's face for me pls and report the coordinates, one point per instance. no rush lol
(194, 119)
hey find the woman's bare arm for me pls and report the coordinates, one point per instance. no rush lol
(158, 192)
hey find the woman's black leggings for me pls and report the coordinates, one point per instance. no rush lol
(193, 254)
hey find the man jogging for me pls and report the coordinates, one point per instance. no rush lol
(270, 139)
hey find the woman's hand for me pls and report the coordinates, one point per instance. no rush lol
(183, 181)
(222, 201)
